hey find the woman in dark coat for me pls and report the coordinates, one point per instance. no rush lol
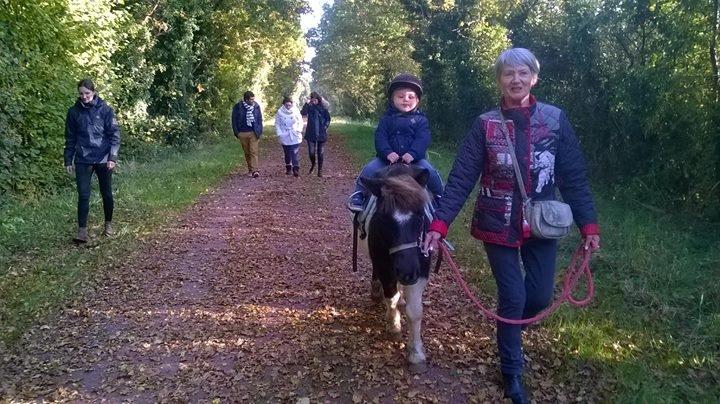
(318, 120)
(92, 143)
(549, 158)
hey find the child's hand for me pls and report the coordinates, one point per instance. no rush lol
(407, 158)
(392, 157)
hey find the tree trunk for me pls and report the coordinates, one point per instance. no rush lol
(716, 87)
(713, 49)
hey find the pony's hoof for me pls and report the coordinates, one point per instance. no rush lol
(418, 368)
(395, 331)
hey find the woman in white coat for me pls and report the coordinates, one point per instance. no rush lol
(288, 127)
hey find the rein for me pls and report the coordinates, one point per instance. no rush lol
(579, 265)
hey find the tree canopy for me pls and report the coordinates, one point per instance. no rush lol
(639, 79)
(171, 69)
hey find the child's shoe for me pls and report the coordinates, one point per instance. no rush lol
(356, 202)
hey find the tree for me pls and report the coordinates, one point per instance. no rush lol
(171, 69)
(361, 45)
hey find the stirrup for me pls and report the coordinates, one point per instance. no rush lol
(352, 207)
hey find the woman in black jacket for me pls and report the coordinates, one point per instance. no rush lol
(92, 143)
(318, 120)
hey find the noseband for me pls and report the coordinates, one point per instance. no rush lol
(407, 246)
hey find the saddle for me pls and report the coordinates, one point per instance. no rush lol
(360, 218)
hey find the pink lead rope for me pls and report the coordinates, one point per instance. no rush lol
(579, 265)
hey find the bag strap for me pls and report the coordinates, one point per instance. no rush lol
(511, 146)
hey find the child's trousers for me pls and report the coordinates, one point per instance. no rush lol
(434, 185)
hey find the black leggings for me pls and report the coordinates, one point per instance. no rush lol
(83, 175)
(320, 153)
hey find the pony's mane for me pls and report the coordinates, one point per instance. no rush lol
(402, 193)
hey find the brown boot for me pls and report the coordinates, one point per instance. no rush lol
(108, 231)
(82, 235)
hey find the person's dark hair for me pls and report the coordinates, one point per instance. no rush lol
(87, 83)
(317, 96)
(286, 100)
(248, 95)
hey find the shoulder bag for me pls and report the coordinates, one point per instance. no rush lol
(546, 219)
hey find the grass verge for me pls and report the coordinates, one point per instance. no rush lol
(653, 330)
(40, 268)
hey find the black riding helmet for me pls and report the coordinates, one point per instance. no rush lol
(405, 80)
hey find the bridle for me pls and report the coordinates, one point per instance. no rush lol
(407, 246)
(427, 217)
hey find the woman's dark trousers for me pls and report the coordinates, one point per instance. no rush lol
(83, 175)
(520, 296)
(319, 151)
(291, 155)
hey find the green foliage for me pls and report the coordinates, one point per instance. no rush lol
(636, 80)
(639, 79)
(171, 69)
(34, 92)
(361, 45)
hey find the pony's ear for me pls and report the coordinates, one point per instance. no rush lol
(421, 175)
(374, 185)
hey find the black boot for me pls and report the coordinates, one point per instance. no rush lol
(296, 171)
(312, 164)
(287, 169)
(320, 164)
(514, 390)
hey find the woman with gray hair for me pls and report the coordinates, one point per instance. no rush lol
(549, 157)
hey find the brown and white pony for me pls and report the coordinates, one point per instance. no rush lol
(394, 238)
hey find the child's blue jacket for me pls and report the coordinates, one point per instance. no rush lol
(402, 133)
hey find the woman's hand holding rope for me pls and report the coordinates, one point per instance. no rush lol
(592, 242)
(432, 238)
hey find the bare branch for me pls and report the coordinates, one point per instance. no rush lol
(148, 15)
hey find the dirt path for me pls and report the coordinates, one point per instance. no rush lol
(250, 297)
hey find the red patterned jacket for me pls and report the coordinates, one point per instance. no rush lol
(549, 157)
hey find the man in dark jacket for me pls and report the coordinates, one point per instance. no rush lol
(247, 127)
